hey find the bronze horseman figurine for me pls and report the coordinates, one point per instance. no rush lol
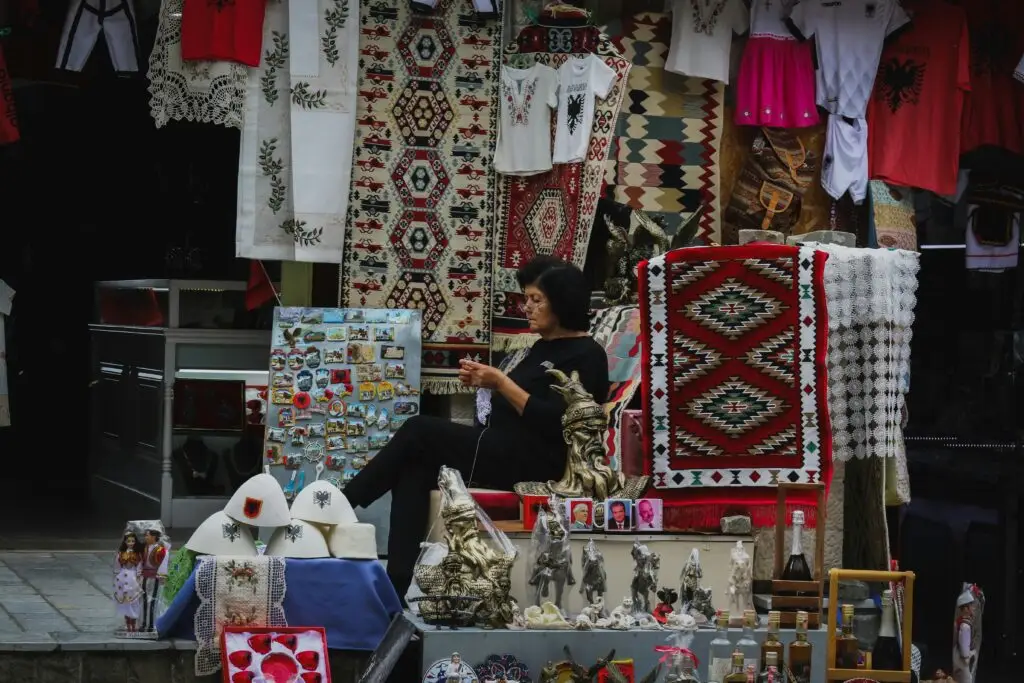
(587, 474)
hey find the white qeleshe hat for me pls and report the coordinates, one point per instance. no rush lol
(298, 540)
(221, 535)
(353, 541)
(260, 502)
(323, 503)
(966, 598)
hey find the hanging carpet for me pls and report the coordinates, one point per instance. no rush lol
(735, 386)
(421, 211)
(553, 212)
(295, 163)
(665, 154)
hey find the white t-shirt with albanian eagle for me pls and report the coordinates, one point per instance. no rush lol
(580, 80)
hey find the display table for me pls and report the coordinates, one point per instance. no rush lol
(353, 600)
(537, 648)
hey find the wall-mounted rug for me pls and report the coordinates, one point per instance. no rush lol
(553, 212)
(421, 210)
(665, 154)
(735, 383)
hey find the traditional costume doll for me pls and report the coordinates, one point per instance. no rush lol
(127, 580)
(967, 633)
(155, 561)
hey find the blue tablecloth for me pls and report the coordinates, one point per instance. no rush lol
(353, 600)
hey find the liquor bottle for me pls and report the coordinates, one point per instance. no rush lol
(771, 672)
(737, 675)
(687, 673)
(746, 644)
(797, 568)
(847, 649)
(771, 641)
(800, 652)
(886, 653)
(720, 661)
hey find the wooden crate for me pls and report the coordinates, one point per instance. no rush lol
(902, 676)
(812, 591)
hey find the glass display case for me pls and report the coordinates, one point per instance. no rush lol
(179, 370)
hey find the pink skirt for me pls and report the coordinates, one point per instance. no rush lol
(776, 84)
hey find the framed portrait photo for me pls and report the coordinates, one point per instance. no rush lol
(580, 513)
(618, 514)
(648, 514)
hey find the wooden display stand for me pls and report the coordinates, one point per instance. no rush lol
(837, 575)
(789, 597)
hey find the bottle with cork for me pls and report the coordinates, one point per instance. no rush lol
(847, 648)
(800, 651)
(771, 640)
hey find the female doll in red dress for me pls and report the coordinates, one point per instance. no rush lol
(127, 580)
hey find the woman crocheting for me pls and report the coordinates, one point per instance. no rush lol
(518, 435)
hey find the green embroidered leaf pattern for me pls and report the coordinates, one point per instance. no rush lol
(273, 62)
(335, 18)
(303, 236)
(272, 166)
(306, 98)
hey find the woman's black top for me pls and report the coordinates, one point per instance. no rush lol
(540, 425)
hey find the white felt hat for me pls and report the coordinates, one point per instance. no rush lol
(298, 540)
(260, 502)
(323, 503)
(356, 541)
(221, 535)
(966, 598)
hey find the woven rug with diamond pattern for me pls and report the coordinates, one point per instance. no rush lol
(665, 154)
(421, 209)
(553, 212)
(735, 384)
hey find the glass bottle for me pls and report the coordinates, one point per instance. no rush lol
(737, 675)
(771, 672)
(687, 673)
(847, 649)
(746, 644)
(800, 652)
(771, 641)
(797, 568)
(720, 661)
(887, 654)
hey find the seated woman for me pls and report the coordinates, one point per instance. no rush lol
(522, 440)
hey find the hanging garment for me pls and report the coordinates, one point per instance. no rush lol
(222, 30)
(845, 165)
(86, 20)
(8, 117)
(6, 302)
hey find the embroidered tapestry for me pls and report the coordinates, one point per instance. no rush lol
(735, 386)
(553, 212)
(421, 211)
(617, 329)
(201, 91)
(665, 153)
(235, 591)
(295, 163)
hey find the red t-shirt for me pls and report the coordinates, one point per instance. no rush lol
(222, 30)
(994, 109)
(914, 112)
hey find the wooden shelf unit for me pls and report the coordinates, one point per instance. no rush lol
(869, 576)
(806, 595)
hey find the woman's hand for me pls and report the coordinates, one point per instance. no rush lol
(473, 374)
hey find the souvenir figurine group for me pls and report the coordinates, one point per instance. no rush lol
(140, 569)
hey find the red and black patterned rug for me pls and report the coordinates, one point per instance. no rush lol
(421, 210)
(735, 383)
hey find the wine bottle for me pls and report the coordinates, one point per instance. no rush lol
(797, 568)
(847, 648)
(746, 644)
(800, 652)
(720, 661)
(886, 654)
(770, 672)
(771, 641)
(738, 675)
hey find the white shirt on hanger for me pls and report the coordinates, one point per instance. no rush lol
(849, 37)
(702, 36)
(524, 133)
(580, 80)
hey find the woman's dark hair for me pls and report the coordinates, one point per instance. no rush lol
(124, 541)
(564, 285)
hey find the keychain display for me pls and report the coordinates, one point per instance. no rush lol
(342, 382)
